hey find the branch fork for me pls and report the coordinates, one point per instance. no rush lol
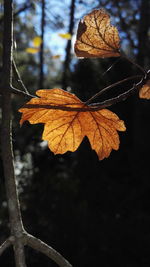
(37, 244)
(19, 237)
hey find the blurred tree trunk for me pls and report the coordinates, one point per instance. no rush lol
(143, 38)
(141, 130)
(23, 8)
(66, 66)
(41, 66)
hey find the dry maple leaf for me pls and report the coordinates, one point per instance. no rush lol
(64, 130)
(96, 37)
(145, 91)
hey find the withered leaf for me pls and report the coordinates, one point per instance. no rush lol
(96, 37)
(145, 91)
(64, 130)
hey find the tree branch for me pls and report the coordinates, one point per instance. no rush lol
(100, 105)
(16, 226)
(121, 97)
(7, 243)
(42, 247)
(19, 238)
(18, 77)
(111, 86)
(22, 9)
(21, 93)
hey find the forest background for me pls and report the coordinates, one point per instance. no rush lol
(93, 212)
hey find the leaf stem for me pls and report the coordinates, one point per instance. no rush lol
(100, 105)
(111, 66)
(22, 93)
(121, 97)
(111, 86)
(91, 107)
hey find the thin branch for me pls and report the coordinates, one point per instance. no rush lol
(18, 77)
(94, 106)
(15, 219)
(111, 66)
(21, 93)
(42, 247)
(121, 97)
(6, 244)
(22, 9)
(19, 238)
(111, 86)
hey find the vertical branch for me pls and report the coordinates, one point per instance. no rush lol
(16, 227)
(41, 74)
(68, 47)
(18, 238)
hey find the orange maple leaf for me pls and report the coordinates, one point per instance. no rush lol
(145, 91)
(65, 129)
(96, 37)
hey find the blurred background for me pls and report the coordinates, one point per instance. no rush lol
(95, 213)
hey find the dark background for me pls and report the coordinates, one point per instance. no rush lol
(95, 213)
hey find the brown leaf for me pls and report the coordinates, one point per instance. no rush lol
(101, 129)
(145, 91)
(96, 37)
(64, 130)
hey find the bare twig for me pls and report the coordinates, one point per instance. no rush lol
(18, 77)
(22, 9)
(16, 226)
(21, 93)
(119, 98)
(111, 66)
(94, 106)
(19, 238)
(100, 105)
(111, 86)
(40, 246)
(7, 243)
